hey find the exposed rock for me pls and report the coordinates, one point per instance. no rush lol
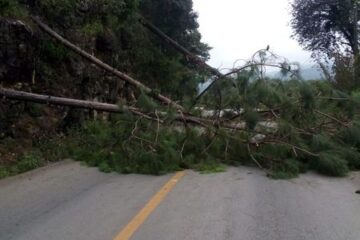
(258, 138)
(16, 51)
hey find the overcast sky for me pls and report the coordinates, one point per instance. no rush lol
(238, 28)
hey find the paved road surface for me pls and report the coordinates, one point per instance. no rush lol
(67, 201)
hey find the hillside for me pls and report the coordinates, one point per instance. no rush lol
(109, 29)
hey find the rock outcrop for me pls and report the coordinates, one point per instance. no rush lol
(16, 52)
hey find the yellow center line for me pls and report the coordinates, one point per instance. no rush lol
(140, 218)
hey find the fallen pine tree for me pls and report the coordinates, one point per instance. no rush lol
(307, 138)
(316, 128)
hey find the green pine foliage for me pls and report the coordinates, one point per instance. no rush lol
(288, 168)
(146, 103)
(331, 163)
(251, 118)
(25, 162)
(316, 124)
(132, 144)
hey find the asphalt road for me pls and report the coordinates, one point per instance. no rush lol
(67, 201)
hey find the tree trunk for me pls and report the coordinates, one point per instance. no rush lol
(355, 46)
(356, 28)
(105, 107)
(37, 98)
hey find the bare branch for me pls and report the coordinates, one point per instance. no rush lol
(332, 118)
(256, 161)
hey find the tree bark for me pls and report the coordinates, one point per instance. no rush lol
(44, 99)
(356, 70)
(105, 107)
(356, 28)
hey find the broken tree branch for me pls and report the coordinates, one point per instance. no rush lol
(332, 118)
(256, 161)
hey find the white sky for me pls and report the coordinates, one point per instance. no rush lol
(236, 29)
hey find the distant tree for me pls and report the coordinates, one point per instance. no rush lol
(327, 26)
(178, 20)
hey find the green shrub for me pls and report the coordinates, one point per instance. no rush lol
(53, 53)
(4, 172)
(12, 8)
(104, 167)
(93, 28)
(55, 148)
(29, 161)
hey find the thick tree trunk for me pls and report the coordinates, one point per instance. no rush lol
(44, 99)
(356, 46)
(356, 28)
(105, 107)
